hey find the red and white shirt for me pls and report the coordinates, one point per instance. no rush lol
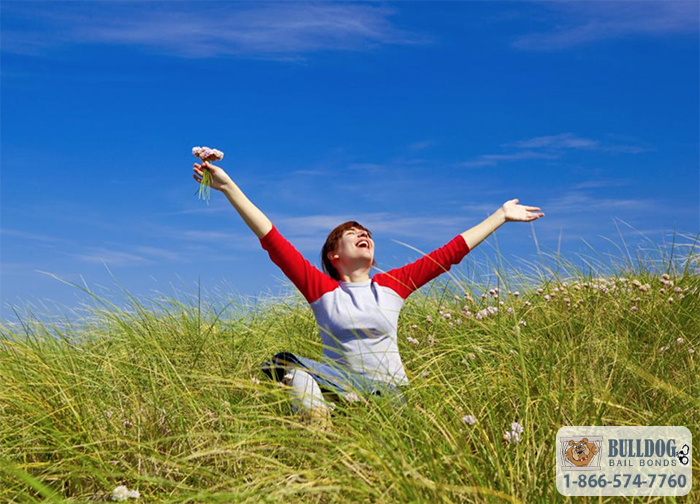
(358, 320)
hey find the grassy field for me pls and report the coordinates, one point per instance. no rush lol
(167, 398)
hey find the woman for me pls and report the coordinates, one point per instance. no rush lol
(357, 315)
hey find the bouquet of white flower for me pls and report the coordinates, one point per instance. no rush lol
(206, 154)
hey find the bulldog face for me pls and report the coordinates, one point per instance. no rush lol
(581, 453)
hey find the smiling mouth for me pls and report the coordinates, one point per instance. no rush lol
(363, 244)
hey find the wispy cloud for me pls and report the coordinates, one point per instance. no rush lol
(561, 141)
(549, 147)
(579, 23)
(31, 236)
(493, 159)
(283, 31)
(112, 257)
(419, 146)
(585, 204)
(594, 184)
(368, 167)
(424, 228)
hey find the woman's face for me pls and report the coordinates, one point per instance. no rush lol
(354, 245)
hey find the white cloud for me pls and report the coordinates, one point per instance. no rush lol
(31, 236)
(549, 147)
(283, 31)
(586, 205)
(561, 141)
(493, 159)
(112, 258)
(591, 184)
(580, 23)
(426, 228)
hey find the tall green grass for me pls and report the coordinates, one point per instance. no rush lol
(169, 399)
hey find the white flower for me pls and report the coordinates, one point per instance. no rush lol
(414, 326)
(469, 419)
(121, 493)
(509, 311)
(478, 316)
(547, 297)
(511, 437)
(670, 300)
(447, 316)
(664, 348)
(492, 310)
(516, 427)
(679, 340)
(516, 293)
(691, 351)
(428, 318)
(412, 341)
(528, 303)
(351, 397)
(665, 276)
(634, 308)
(255, 380)
(522, 323)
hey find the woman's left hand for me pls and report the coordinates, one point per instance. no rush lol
(520, 213)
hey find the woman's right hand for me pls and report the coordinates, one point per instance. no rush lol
(218, 178)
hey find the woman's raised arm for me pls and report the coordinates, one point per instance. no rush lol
(256, 220)
(511, 211)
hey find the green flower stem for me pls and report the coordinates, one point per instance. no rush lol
(205, 187)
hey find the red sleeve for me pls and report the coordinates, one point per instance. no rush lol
(409, 278)
(312, 282)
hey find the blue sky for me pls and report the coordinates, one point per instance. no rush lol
(417, 119)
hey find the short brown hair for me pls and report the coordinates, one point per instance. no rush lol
(331, 244)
